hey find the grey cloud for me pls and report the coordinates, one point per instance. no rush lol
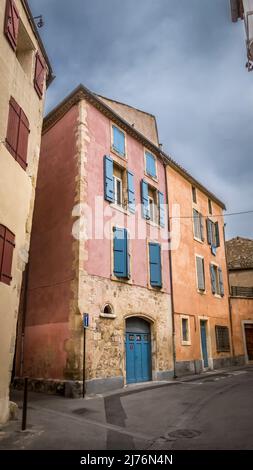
(184, 61)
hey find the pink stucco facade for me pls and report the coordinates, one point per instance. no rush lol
(70, 275)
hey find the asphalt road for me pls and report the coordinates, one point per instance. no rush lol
(212, 412)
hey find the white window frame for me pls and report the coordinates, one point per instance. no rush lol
(183, 342)
(116, 179)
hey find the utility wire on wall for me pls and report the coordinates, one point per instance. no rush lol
(211, 215)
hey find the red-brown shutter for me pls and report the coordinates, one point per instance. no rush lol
(23, 140)
(2, 235)
(13, 127)
(11, 23)
(6, 265)
(39, 76)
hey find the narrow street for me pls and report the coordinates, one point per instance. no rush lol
(208, 412)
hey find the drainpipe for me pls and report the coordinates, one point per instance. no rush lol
(23, 319)
(229, 295)
(171, 278)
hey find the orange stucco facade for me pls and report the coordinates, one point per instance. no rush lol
(189, 302)
(242, 316)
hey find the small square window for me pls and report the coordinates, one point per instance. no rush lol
(150, 164)
(118, 143)
(194, 195)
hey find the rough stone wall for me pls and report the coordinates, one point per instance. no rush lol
(105, 337)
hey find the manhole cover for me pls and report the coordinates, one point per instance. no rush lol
(183, 434)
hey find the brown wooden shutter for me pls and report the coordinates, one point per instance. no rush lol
(17, 133)
(23, 140)
(13, 127)
(8, 247)
(39, 76)
(11, 23)
(2, 237)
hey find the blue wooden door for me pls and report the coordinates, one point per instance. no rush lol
(138, 357)
(203, 342)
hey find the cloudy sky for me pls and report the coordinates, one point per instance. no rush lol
(182, 60)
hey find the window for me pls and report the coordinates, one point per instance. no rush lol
(108, 310)
(213, 235)
(117, 190)
(121, 253)
(198, 225)
(11, 23)
(150, 164)
(7, 244)
(118, 185)
(216, 280)
(25, 49)
(18, 37)
(185, 330)
(200, 267)
(222, 338)
(194, 195)
(118, 141)
(152, 204)
(39, 75)
(210, 208)
(17, 133)
(155, 267)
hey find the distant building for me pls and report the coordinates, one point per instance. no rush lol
(240, 265)
(24, 73)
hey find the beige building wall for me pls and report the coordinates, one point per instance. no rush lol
(241, 278)
(17, 188)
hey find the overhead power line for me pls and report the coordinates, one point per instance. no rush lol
(212, 215)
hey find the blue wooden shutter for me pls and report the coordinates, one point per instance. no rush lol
(120, 251)
(209, 231)
(221, 282)
(201, 227)
(217, 234)
(118, 140)
(150, 164)
(155, 264)
(144, 197)
(161, 209)
(213, 278)
(131, 196)
(108, 179)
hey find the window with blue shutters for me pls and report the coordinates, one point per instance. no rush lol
(155, 267)
(161, 209)
(118, 141)
(213, 235)
(130, 190)
(150, 164)
(145, 200)
(216, 280)
(108, 179)
(121, 253)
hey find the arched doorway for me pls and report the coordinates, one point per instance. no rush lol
(138, 350)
